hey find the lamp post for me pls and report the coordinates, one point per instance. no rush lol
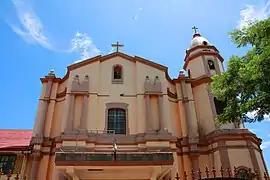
(177, 177)
(114, 149)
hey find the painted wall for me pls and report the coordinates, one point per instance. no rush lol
(188, 114)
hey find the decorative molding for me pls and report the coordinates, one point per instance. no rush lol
(80, 87)
(219, 136)
(152, 87)
(100, 58)
(62, 94)
(201, 53)
(171, 95)
(200, 80)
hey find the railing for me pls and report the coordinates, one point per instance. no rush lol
(10, 176)
(225, 174)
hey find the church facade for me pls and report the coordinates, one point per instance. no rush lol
(121, 117)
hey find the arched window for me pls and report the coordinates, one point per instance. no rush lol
(205, 43)
(117, 120)
(211, 64)
(117, 72)
(242, 174)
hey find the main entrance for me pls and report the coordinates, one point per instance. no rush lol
(101, 166)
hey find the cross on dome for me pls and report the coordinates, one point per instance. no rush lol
(195, 29)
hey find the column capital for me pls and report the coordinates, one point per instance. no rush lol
(36, 155)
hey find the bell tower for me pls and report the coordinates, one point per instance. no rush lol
(202, 58)
(202, 61)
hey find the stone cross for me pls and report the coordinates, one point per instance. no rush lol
(117, 45)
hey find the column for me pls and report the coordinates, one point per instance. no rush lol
(23, 166)
(41, 121)
(148, 120)
(44, 108)
(70, 116)
(84, 113)
(183, 118)
(34, 168)
(49, 119)
(48, 89)
(160, 114)
(189, 111)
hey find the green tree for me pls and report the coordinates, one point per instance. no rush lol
(245, 86)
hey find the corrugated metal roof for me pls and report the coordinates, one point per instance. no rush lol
(10, 138)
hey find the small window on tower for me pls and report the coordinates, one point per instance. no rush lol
(211, 64)
(205, 43)
(117, 76)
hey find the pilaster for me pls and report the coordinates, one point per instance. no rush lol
(70, 117)
(141, 109)
(160, 113)
(148, 116)
(65, 124)
(84, 113)
(92, 115)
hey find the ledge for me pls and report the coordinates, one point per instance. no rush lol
(109, 159)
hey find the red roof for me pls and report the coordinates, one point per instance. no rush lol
(14, 139)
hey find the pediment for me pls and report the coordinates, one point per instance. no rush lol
(111, 57)
(117, 54)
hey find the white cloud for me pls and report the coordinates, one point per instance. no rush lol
(265, 145)
(251, 13)
(83, 44)
(253, 113)
(31, 29)
(136, 17)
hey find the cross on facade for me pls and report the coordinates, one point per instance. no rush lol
(117, 45)
(195, 29)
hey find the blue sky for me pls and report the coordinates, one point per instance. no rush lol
(41, 35)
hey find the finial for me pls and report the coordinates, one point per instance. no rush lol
(181, 73)
(51, 73)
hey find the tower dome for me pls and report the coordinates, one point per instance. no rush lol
(198, 40)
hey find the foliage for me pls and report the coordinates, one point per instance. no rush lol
(245, 86)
